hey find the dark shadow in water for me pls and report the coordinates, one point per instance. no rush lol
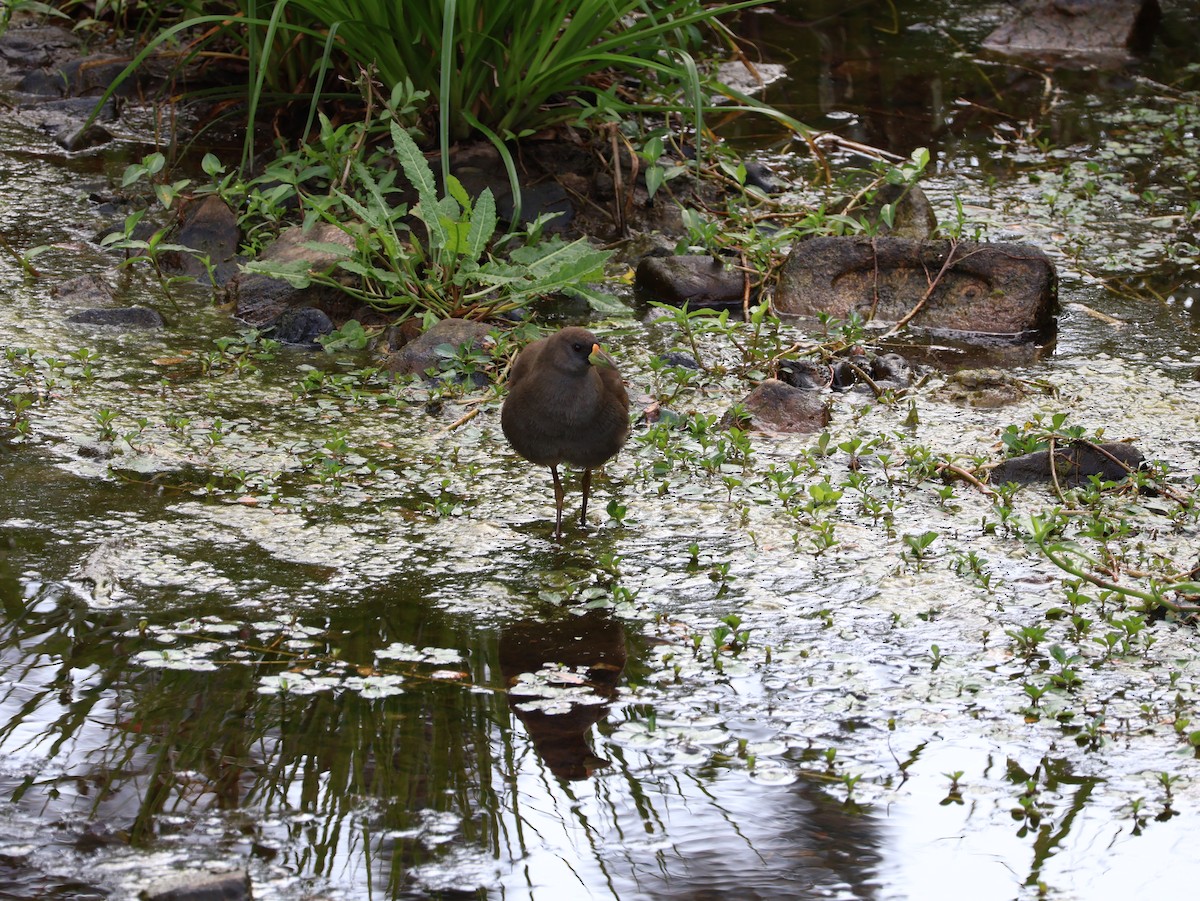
(587, 653)
(749, 842)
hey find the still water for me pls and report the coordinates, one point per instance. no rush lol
(268, 611)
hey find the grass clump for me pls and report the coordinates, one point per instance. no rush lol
(512, 66)
(502, 69)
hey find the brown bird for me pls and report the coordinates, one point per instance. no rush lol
(566, 404)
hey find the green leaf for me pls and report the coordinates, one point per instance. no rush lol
(417, 171)
(165, 194)
(655, 176)
(483, 226)
(458, 192)
(211, 165)
(456, 234)
(328, 247)
(598, 300)
(652, 149)
(296, 272)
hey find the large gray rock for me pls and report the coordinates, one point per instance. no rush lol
(82, 77)
(983, 388)
(94, 301)
(120, 317)
(1073, 465)
(29, 46)
(1076, 26)
(302, 327)
(199, 885)
(988, 289)
(89, 290)
(76, 138)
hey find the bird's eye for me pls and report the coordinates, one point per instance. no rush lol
(577, 346)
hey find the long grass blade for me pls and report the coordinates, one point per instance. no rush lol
(444, 102)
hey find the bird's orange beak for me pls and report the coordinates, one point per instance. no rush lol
(598, 357)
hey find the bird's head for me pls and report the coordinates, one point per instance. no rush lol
(579, 349)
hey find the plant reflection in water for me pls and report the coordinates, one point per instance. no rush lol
(334, 750)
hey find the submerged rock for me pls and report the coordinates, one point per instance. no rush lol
(805, 374)
(1077, 26)
(984, 289)
(1073, 465)
(775, 406)
(75, 138)
(698, 281)
(89, 290)
(302, 327)
(675, 358)
(892, 370)
(983, 388)
(200, 886)
(120, 317)
(886, 371)
(951, 352)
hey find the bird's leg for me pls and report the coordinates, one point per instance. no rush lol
(558, 501)
(587, 486)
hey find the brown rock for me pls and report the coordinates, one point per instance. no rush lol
(1067, 26)
(85, 290)
(210, 228)
(1073, 465)
(912, 213)
(970, 350)
(421, 354)
(983, 388)
(775, 406)
(988, 289)
(698, 281)
(261, 299)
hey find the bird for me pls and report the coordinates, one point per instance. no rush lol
(566, 403)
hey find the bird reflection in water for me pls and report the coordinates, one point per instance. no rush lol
(561, 675)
